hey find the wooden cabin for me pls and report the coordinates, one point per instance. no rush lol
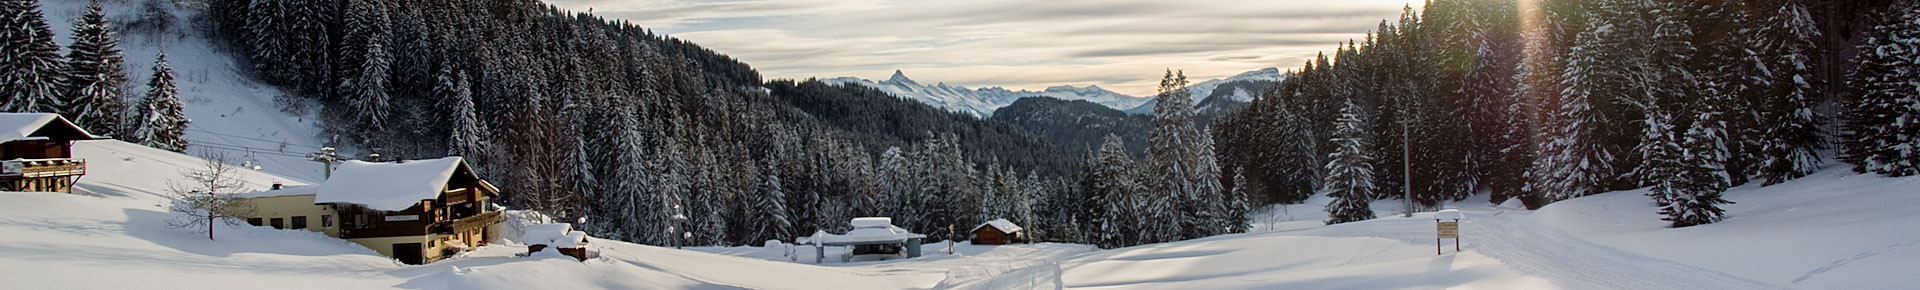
(995, 232)
(415, 211)
(37, 149)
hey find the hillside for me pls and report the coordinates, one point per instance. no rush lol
(1076, 125)
(231, 110)
(114, 225)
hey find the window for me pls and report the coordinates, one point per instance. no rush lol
(326, 221)
(300, 222)
(255, 222)
(278, 223)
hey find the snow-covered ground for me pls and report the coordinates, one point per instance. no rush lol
(1833, 230)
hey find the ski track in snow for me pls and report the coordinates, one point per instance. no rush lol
(1578, 264)
(1849, 260)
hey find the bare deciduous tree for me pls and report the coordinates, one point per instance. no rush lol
(209, 196)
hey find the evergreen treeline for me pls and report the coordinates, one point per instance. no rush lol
(87, 85)
(646, 137)
(1551, 100)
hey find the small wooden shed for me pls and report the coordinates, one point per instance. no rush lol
(995, 232)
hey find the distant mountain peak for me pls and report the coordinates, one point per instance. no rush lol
(899, 77)
(982, 102)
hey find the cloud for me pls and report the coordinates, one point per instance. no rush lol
(1122, 44)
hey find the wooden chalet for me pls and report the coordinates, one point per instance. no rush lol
(37, 149)
(415, 211)
(996, 232)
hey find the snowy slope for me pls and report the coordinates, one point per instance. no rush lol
(982, 102)
(1833, 230)
(230, 109)
(115, 225)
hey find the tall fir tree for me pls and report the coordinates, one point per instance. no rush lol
(1172, 166)
(161, 121)
(1883, 121)
(1349, 170)
(1791, 117)
(30, 71)
(1702, 177)
(95, 72)
(1581, 158)
(1114, 192)
(364, 63)
(769, 208)
(466, 137)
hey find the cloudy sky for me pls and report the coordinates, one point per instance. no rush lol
(1122, 45)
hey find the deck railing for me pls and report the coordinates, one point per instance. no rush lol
(34, 168)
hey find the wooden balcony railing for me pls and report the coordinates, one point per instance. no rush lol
(472, 223)
(35, 168)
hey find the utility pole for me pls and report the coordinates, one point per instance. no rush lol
(327, 157)
(1406, 173)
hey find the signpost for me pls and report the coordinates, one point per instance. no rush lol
(1448, 223)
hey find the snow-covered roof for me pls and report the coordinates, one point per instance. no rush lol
(867, 230)
(16, 126)
(1002, 224)
(872, 222)
(389, 186)
(283, 191)
(553, 235)
(1449, 214)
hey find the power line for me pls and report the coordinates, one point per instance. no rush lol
(255, 139)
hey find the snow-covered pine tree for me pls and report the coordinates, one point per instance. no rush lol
(1239, 209)
(1210, 199)
(769, 208)
(1790, 119)
(30, 71)
(1033, 193)
(1701, 177)
(1113, 193)
(895, 183)
(465, 137)
(989, 203)
(1660, 149)
(1883, 121)
(160, 121)
(1661, 155)
(1581, 158)
(1349, 170)
(1168, 171)
(363, 63)
(706, 215)
(95, 72)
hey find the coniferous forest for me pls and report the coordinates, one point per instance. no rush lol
(656, 140)
(1551, 100)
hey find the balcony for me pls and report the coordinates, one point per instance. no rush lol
(469, 224)
(37, 168)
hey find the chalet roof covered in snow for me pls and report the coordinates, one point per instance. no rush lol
(283, 191)
(16, 126)
(1002, 224)
(389, 186)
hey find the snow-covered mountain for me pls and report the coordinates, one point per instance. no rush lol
(1241, 89)
(981, 102)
